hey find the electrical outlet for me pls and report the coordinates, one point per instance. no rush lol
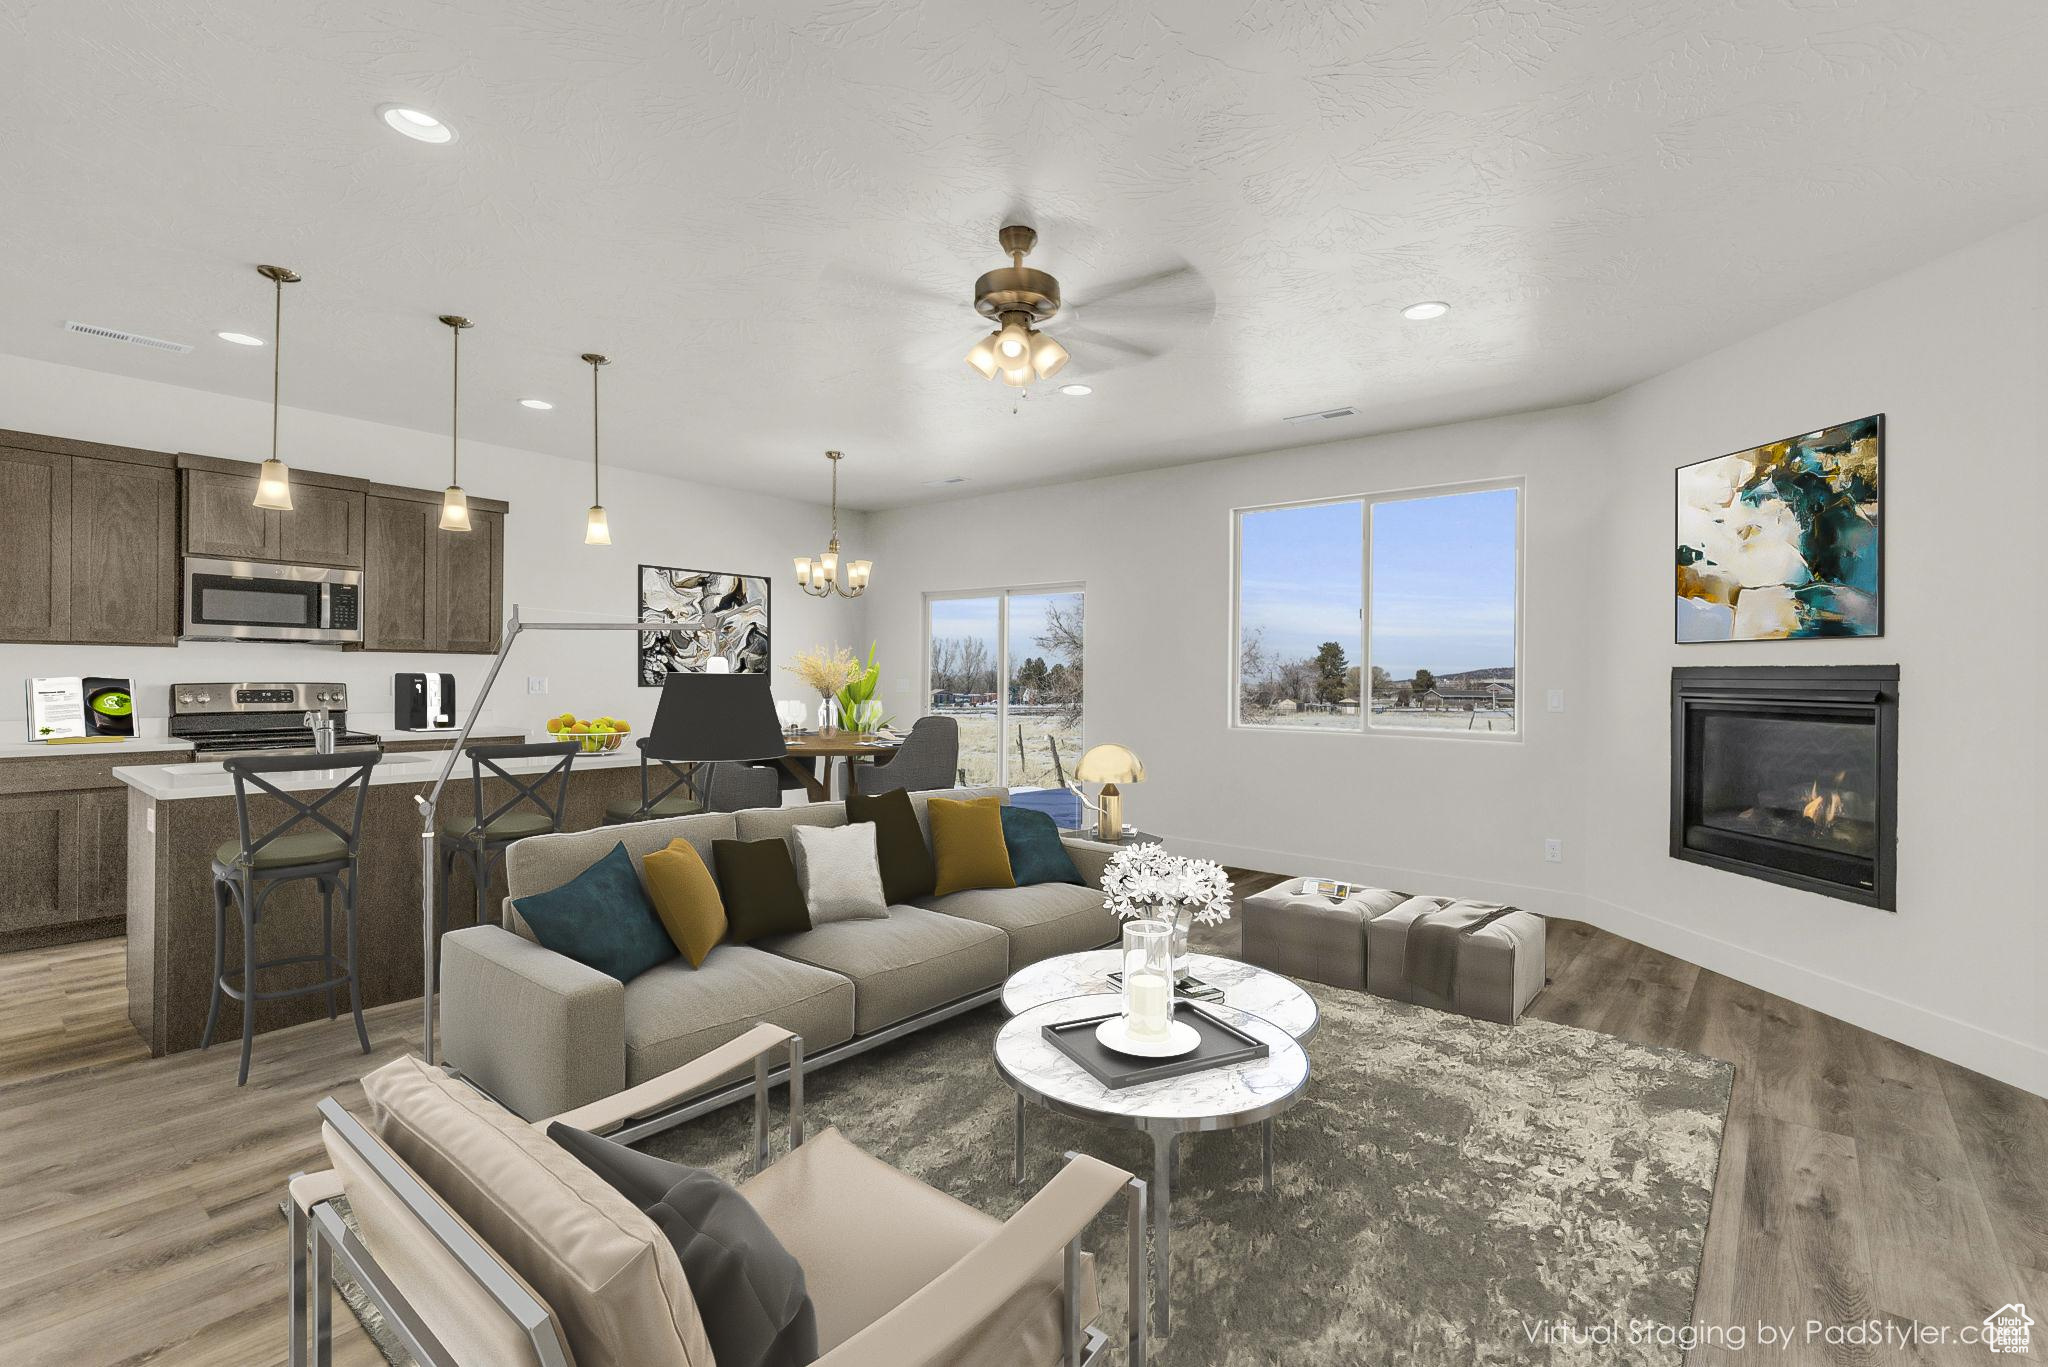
(536, 683)
(149, 818)
(1553, 851)
(1556, 699)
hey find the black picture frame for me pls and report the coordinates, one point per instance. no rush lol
(646, 646)
(1878, 420)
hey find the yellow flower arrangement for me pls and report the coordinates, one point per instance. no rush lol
(827, 673)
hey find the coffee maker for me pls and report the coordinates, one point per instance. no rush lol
(423, 702)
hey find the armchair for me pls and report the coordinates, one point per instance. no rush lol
(960, 1288)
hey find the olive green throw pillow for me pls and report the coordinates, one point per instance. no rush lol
(907, 868)
(967, 844)
(757, 882)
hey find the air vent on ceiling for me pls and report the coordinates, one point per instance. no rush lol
(942, 483)
(1327, 415)
(132, 338)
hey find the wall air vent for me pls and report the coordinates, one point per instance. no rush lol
(1327, 415)
(132, 338)
(942, 483)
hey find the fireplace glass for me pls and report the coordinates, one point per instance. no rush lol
(1799, 780)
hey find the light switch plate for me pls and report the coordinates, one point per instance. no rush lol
(536, 683)
(1556, 699)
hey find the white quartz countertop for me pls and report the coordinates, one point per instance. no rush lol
(166, 782)
(140, 745)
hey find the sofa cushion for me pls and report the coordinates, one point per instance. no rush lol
(548, 861)
(840, 873)
(900, 843)
(602, 918)
(762, 823)
(673, 1014)
(610, 1276)
(870, 1237)
(1037, 855)
(910, 962)
(748, 1288)
(967, 845)
(1040, 921)
(757, 882)
(921, 803)
(685, 897)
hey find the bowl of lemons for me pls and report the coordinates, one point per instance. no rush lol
(592, 733)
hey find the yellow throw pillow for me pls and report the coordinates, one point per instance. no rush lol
(685, 896)
(967, 844)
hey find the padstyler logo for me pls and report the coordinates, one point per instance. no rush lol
(2009, 1329)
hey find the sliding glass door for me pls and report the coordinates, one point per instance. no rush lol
(1006, 664)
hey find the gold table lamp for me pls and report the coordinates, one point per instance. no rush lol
(1109, 765)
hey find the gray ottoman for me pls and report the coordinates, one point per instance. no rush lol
(1478, 959)
(1308, 935)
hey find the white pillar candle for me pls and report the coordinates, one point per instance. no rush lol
(1148, 998)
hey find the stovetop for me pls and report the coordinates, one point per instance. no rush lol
(261, 718)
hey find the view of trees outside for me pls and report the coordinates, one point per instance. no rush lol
(1443, 612)
(1028, 732)
(1300, 602)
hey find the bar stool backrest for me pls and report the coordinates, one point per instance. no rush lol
(675, 777)
(526, 788)
(250, 770)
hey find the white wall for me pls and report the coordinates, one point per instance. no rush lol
(549, 572)
(1954, 353)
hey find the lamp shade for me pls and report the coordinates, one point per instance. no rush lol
(712, 717)
(1109, 764)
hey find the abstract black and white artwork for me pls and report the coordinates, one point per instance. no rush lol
(725, 615)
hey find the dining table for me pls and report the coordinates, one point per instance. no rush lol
(840, 750)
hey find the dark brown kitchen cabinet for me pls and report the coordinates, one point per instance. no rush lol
(427, 590)
(64, 842)
(38, 861)
(88, 542)
(324, 525)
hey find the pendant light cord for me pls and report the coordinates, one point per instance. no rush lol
(595, 501)
(455, 416)
(276, 363)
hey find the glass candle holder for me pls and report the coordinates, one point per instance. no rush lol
(1148, 979)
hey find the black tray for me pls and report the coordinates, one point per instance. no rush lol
(1222, 1044)
(1191, 987)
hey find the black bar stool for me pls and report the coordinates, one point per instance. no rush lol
(678, 795)
(249, 871)
(480, 837)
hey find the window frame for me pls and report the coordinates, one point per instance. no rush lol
(1233, 699)
(1002, 596)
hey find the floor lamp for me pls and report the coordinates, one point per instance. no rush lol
(427, 804)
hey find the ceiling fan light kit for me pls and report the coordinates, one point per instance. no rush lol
(1016, 297)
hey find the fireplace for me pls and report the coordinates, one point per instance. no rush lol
(1789, 775)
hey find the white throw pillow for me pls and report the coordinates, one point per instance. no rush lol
(840, 872)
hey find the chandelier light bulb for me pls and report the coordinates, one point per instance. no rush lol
(821, 577)
(803, 571)
(1013, 343)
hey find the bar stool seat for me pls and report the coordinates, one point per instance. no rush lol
(287, 851)
(629, 809)
(510, 826)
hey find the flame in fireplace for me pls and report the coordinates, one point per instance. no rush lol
(1824, 808)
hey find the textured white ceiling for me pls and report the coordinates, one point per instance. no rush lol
(771, 214)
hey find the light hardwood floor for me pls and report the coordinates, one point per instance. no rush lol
(138, 1197)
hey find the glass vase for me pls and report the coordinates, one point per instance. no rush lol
(1183, 921)
(1148, 979)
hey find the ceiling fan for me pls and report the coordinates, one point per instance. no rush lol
(1131, 320)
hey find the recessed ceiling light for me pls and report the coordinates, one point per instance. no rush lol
(1077, 390)
(419, 126)
(239, 338)
(542, 404)
(1427, 309)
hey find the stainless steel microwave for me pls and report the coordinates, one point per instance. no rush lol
(254, 600)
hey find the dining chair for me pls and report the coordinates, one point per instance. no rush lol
(928, 758)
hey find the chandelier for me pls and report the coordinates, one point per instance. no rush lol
(820, 577)
(1017, 296)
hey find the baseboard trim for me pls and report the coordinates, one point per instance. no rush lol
(1985, 1051)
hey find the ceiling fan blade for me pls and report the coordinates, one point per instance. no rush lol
(1179, 286)
(1087, 338)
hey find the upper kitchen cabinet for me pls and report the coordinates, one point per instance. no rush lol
(88, 542)
(427, 590)
(324, 527)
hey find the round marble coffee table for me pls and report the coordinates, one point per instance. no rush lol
(1224, 1098)
(1246, 987)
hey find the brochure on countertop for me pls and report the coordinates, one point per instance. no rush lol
(86, 707)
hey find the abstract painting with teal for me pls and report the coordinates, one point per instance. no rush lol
(1781, 542)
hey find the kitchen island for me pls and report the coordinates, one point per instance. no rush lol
(178, 814)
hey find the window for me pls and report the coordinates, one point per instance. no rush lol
(1394, 613)
(1027, 732)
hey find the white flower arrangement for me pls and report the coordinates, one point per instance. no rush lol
(1144, 880)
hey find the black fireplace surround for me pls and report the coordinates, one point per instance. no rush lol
(1790, 775)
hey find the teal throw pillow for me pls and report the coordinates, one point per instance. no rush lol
(601, 918)
(1036, 854)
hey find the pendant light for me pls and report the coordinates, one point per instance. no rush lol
(274, 480)
(597, 531)
(454, 503)
(820, 576)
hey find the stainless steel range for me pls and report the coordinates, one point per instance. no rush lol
(222, 719)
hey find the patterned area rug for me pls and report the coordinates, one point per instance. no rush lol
(1444, 1190)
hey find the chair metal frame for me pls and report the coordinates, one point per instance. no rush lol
(250, 887)
(474, 845)
(320, 1239)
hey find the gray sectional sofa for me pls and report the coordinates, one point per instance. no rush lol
(544, 1034)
